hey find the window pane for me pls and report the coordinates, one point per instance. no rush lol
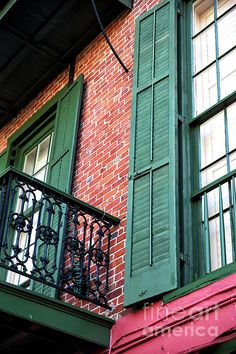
(231, 118)
(212, 134)
(227, 31)
(205, 89)
(42, 156)
(213, 200)
(215, 247)
(214, 172)
(232, 161)
(41, 175)
(29, 162)
(224, 5)
(228, 238)
(204, 49)
(203, 14)
(228, 74)
(215, 241)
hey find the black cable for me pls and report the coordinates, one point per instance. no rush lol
(106, 37)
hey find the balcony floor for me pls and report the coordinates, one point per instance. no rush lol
(29, 321)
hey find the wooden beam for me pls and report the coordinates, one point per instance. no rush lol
(7, 8)
(34, 45)
(127, 3)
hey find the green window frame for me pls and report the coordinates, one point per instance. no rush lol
(29, 143)
(213, 197)
(211, 57)
(60, 115)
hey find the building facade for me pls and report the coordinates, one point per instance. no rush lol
(117, 209)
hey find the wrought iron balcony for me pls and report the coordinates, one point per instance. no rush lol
(52, 238)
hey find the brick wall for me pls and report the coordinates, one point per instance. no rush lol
(102, 154)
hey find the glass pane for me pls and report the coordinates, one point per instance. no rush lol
(231, 118)
(205, 89)
(227, 32)
(228, 238)
(224, 5)
(232, 160)
(214, 172)
(228, 74)
(204, 49)
(212, 134)
(213, 200)
(42, 156)
(29, 162)
(215, 242)
(203, 14)
(41, 174)
(215, 247)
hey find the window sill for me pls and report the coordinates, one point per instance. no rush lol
(200, 283)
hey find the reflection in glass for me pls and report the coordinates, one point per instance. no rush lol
(205, 89)
(213, 200)
(215, 241)
(232, 161)
(214, 172)
(203, 14)
(42, 156)
(231, 118)
(29, 162)
(204, 49)
(212, 139)
(227, 32)
(228, 73)
(224, 5)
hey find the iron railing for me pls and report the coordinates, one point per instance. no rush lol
(52, 238)
(216, 210)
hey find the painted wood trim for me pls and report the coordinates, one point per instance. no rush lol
(216, 108)
(7, 8)
(55, 314)
(201, 282)
(127, 3)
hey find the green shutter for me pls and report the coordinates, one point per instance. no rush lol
(151, 261)
(66, 128)
(3, 161)
(62, 155)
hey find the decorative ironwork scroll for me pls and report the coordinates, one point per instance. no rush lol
(53, 238)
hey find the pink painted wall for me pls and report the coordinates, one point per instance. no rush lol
(187, 324)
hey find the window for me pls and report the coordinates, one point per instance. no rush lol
(35, 164)
(214, 77)
(182, 202)
(43, 148)
(37, 159)
(214, 52)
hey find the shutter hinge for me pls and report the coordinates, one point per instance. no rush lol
(181, 118)
(184, 257)
(179, 11)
